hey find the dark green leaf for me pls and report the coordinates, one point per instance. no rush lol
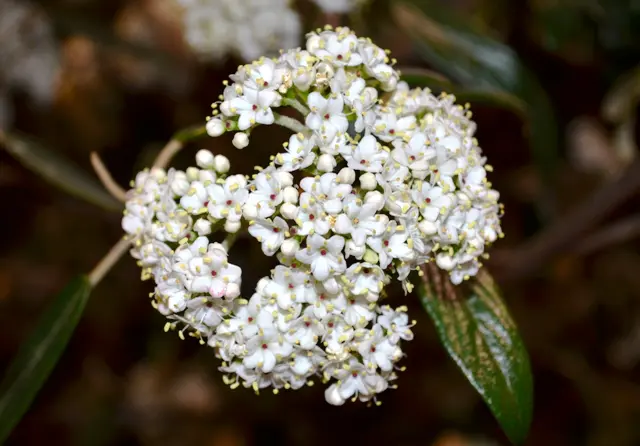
(475, 327)
(39, 353)
(58, 171)
(495, 98)
(189, 134)
(477, 61)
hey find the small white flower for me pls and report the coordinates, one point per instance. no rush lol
(225, 201)
(270, 233)
(326, 117)
(254, 107)
(368, 155)
(324, 256)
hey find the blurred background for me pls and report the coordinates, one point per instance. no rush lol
(554, 86)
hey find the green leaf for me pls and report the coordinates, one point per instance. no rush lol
(58, 171)
(475, 327)
(190, 134)
(39, 353)
(476, 61)
(420, 77)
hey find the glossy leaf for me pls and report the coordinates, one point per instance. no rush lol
(476, 61)
(475, 327)
(57, 170)
(39, 354)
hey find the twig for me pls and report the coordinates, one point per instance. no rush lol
(618, 232)
(566, 230)
(107, 262)
(107, 180)
(292, 124)
(297, 105)
(167, 153)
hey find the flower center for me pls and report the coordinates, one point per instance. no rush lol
(254, 107)
(209, 304)
(339, 57)
(386, 243)
(312, 217)
(308, 324)
(272, 197)
(330, 325)
(428, 200)
(276, 230)
(214, 273)
(392, 132)
(249, 319)
(229, 202)
(373, 349)
(323, 252)
(327, 116)
(363, 162)
(354, 374)
(265, 346)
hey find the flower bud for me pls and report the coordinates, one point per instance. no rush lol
(290, 247)
(240, 140)
(207, 176)
(427, 227)
(332, 395)
(284, 178)
(368, 181)
(326, 163)
(215, 127)
(353, 250)
(289, 211)
(347, 175)
(370, 256)
(314, 43)
(202, 226)
(232, 291)
(250, 211)
(204, 159)
(225, 108)
(180, 184)
(445, 261)
(290, 195)
(332, 285)
(262, 283)
(221, 164)
(231, 226)
(193, 173)
(375, 199)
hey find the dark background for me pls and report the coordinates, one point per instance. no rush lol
(127, 82)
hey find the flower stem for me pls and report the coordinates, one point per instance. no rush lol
(296, 104)
(292, 124)
(107, 262)
(107, 180)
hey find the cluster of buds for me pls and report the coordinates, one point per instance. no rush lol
(376, 180)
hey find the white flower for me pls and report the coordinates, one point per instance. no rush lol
(391, 244)
(298, 155)
(324, 256)
(265, 196)
(326, 116)
(270, 233)
(265, 350)
(225, 201)
(254, 107)
(340, 48)
(336, 6)
(377, 350)
(396, 323)
(432, 201)
(368, 155)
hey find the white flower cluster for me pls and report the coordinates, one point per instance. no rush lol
(386, 179)
(248, 28)
(29, 58)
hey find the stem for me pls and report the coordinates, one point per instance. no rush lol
(167, 153)
(229, 240)
(107, 262)
(296, 104)
(292, 124)
(107, 180)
